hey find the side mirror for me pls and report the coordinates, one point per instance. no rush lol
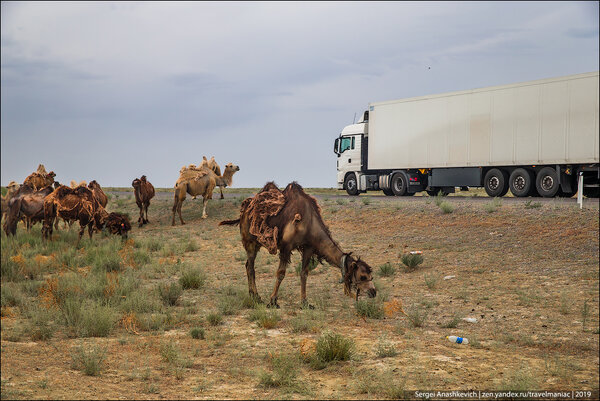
(336, 146)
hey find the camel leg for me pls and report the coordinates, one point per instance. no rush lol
(306, 255)
(251, 252)
(146, 221)
(221, 189)
(280, 276)
(204, 203)
(81, 230)
(90, 229)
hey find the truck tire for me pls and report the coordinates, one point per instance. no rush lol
(399, 184)
(520, 182)
(351, 184)
(388, 192)
(495, 183)
(546, 182)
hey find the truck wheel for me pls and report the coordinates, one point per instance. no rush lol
(388, 192)
(496, 183)
(520, 182)
(399, 184)
(351, 184)
(546, 182)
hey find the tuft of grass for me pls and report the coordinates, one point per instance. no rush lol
(492, 206)
(453, 323)
(417, 315)
(198, 333)
(334, 347)
(387, 270)
(411, 261)
(534, 205)
(385, 348)
(89, 361)
(519, 380)
(190, 246)
(371, 308)
(214, 318)
(285, 372)
(192, 279)
(585, 312)
(265, 318)
(170, 293)
(446, 207)
(313, 263)
(431, 280)
(565, 303)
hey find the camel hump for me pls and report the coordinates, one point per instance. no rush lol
(63, 191)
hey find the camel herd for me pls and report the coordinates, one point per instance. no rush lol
(280, 221)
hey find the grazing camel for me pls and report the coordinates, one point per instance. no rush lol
(28, 205)
(80, 204)
(291, 220)
(201, 181)
(144, 191)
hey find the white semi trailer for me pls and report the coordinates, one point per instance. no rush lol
(532, 138)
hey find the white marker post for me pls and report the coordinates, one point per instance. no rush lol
(580, 190)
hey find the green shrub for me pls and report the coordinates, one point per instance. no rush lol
(170, 293)
(447, 207)
(387, 270)
(417, 315)
(366, 201)
(534, 205)
(492, 206)
(431, 280)
(41, 324)
(11, 295)
(411, 261)
(89, 361)
(312, 265)
(371, 308)
(192, 279)
(285, 372)
(214, 318)
(334, 347)
(141, 257)
(265, 318)
(451, 324)
(96, 320)
(198, 333)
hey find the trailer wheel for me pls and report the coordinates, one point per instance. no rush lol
(546, 182)
(399, 184)
(496, 183)
(388, 192)
(520, 182)
(351, 184)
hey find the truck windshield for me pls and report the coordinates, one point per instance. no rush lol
(347, 143)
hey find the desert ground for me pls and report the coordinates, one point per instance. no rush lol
(166, 314)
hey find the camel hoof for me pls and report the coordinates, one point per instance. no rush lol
(273, 305)
(204, 216)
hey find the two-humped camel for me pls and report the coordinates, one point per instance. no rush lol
(291, 220)
(199, 181)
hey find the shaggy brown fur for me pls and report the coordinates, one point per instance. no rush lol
(28, 206)
(144, 191)
(201, 182)
(297, 225)
(39, 181)
(73, 204)
(12, 188)
(98, 192)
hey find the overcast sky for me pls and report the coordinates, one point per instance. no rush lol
(111, 91)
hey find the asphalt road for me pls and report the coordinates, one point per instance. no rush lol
(588, 203)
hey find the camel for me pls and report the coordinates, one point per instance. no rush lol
(74, 184)
(98, 192)
(291, 220)
(81, 204)
(200, 181)
(12, 188)
(28, 205)
(144, 191)
(40, 180)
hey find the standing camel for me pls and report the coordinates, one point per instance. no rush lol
(199, 181)
(144, 191)
(291, 220)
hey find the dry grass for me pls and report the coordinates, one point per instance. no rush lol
(529, 275)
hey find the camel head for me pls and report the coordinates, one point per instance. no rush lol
(12, 187)
(231, 168)
(360, 276)
(136, 183)
(118, 223)
(93, 184)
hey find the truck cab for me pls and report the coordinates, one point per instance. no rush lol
(350, 148)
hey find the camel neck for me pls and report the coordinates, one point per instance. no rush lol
(226, 178)
(329, 250)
